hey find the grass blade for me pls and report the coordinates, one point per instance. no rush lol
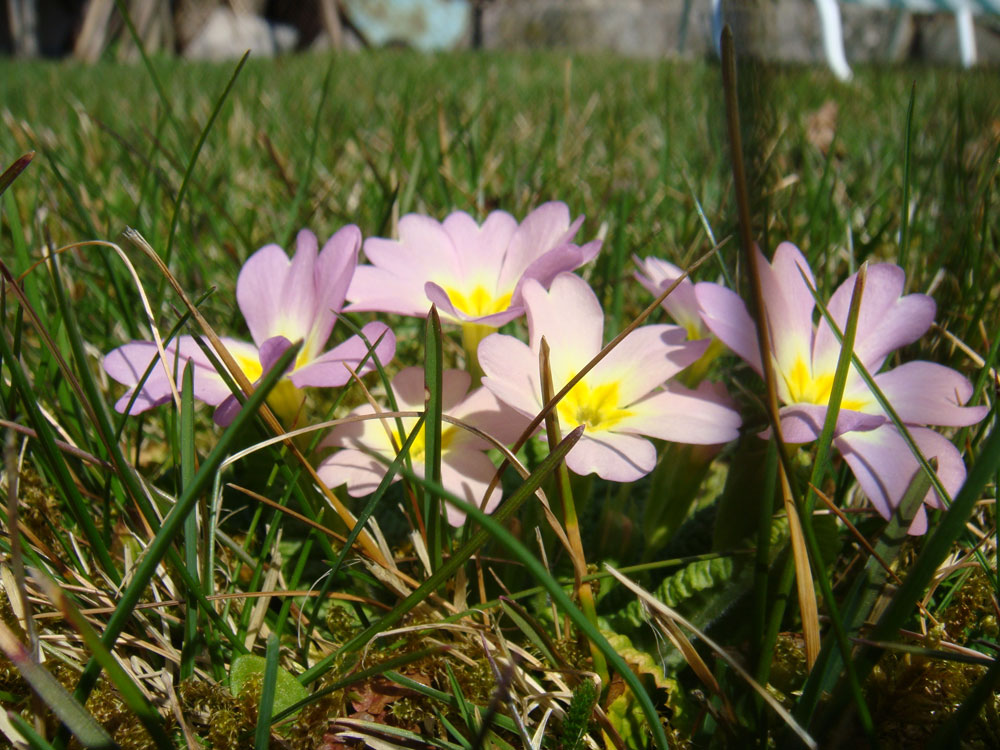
(262, 736)
(54, 459)
(35, 741)
(186, 181)
(433, 386)
(665, 611)
(904, 219)
(188, 459)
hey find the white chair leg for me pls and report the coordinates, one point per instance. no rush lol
(717, 26)
(966, 36)
(833, 38)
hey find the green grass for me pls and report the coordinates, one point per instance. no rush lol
(318, 142)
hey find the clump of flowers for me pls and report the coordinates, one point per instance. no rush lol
(283, 301)
(482, 276)
(805, 357)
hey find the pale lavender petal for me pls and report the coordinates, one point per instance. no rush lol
(332, 277)
(704, 416)
(369, 433)
(483, 410)
(254, 364)
(298, 291)
(511, 372)
(929, 393)
(454, 388)
(424, 251)
(884, 466)
(657, 275)
(408, 387)
(446, 309)
(802, 423)
(467, 474)
(395, 281)
(278, 296)
(589, 250)
(226, 412)
(571, 320)
(260, 289)
(886, 320)
(330, 369)
(918, 527)
(128, 363)
(361, 472)
(551, 264)
(645, 359)
(482, 248)
(788, 304)
(271, 351)
(377, 289)
(543, 229)
(615, 456)
(442, 300)
(727, 318)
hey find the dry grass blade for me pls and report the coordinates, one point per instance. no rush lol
(11, 173)
(683, 644)
(23, 602)
(667, 613)
(803, 574)
(62, 445)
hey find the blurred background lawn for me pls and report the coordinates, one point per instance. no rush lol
(637, 146)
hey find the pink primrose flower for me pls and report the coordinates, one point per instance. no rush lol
(474, 274)
(466, 470)
(805, 359)
(282, 301)
(625, 397)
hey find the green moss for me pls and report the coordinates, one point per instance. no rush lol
(788, 665)
(911, 696)
(971, 609)
(342, 623)
(212, 712)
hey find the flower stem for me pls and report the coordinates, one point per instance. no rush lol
(472, 334)
(565, 491)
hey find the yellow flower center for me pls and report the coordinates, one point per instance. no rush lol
(284, 399)
(479, 301)
(806, 388)
(596, 408)
(419, 446)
